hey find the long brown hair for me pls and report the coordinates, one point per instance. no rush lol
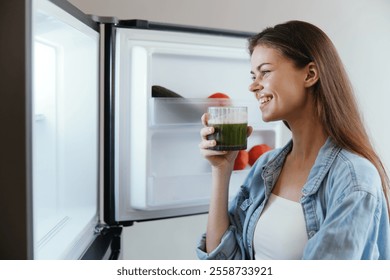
(334, 98)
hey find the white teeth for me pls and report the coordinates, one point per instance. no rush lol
(265, 99)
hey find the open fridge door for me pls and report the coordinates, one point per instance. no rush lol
(158, 84)
(65, 130)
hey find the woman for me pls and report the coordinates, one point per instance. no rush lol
(322, 196)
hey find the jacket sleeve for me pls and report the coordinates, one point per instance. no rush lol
(232, 245)
(228, 249)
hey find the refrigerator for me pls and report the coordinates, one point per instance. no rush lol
(101, 122)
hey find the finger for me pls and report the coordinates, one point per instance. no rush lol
(206, 131)
(249, 131)
(205, 118)
(210, 153)
(206, 144)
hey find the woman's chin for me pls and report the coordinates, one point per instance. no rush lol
(267, 118)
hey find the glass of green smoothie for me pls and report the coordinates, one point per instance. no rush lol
(230, 127)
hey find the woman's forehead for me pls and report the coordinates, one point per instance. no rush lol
(264, 54)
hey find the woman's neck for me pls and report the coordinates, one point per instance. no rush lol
(308, 138)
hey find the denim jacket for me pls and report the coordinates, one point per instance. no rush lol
(342, 200)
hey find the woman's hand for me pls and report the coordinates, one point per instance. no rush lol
(217, 159)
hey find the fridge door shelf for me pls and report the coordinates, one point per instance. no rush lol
(174, 143)
(179, 191)
(188, 111)
(172, 111)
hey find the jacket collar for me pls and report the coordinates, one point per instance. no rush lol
(322, 164)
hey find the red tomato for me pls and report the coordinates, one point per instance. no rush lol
(219, 95)
(256, 151)
(241, 160)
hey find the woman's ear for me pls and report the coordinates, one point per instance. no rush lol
(311, 74)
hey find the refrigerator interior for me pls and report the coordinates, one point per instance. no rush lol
(65, 133)
(159, 171)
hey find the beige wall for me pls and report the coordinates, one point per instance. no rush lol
(359, 29)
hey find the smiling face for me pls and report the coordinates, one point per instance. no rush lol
(280, 87)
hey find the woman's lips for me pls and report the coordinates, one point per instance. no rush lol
(265, 99)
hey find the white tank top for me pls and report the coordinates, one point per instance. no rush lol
(280, 233)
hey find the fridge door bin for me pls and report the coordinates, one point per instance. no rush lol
(179, 191)
(173, 111)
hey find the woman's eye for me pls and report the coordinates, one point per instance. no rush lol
(264, 72)
(261, 75)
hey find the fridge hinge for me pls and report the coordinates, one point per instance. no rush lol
(106, 245)
(100, 228)
(105, 20)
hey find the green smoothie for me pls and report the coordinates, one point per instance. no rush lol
(229, 137)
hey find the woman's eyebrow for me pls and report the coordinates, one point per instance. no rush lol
(259, 67)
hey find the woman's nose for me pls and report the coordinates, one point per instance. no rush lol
(255, 86)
